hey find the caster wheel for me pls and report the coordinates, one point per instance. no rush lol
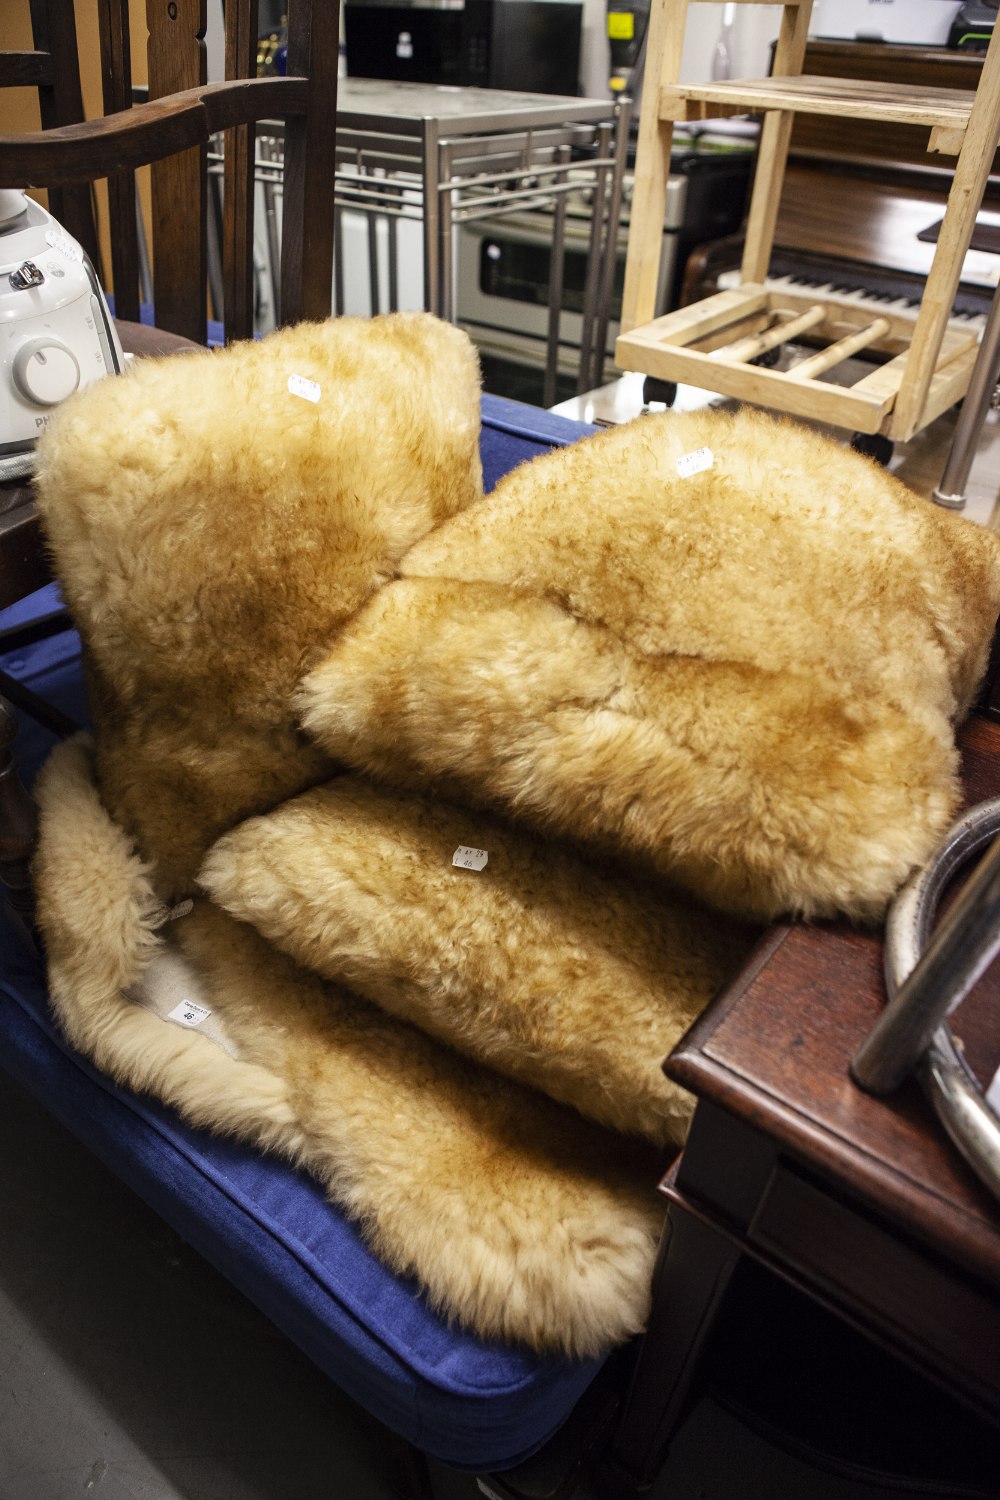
(873, 445)
(658, 390)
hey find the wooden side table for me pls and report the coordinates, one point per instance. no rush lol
(859, 1202)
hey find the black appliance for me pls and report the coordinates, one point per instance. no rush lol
(628, 21)
(972, 28)
(527, 45)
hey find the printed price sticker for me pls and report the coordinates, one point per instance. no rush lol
(188, 1014)
(469, 859)
(298, 385)
(694, 463)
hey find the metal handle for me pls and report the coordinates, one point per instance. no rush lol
(927, 976)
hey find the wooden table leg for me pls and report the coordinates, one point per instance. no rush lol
(692, 1276)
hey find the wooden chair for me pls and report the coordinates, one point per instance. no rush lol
(170, 133)
(925, 363)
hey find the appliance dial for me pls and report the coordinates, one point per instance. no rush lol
(45, 371)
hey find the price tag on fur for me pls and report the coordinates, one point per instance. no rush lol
(298, 385)
(188, 1014)
(469, 859)
(694, 463)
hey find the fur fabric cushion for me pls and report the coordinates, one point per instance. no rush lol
(748, 674)
(518, 1217)
(213, 528)
(566, 978)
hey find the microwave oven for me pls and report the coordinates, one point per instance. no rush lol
(529, 45)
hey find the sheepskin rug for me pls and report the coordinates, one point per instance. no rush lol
(213, 529)
(543, 967)
(747, 676)
(658, 695)
(517, 1216)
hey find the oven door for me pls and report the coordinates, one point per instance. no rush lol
(503, 272)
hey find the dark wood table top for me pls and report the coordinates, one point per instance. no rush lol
(774, 1050)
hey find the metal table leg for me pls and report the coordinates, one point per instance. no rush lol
(951, 491)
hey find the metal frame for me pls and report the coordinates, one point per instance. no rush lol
(928, 972)
(451, 156)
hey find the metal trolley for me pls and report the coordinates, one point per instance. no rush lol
(442, 157)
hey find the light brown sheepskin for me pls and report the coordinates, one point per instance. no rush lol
(749, 676)
(521, 1220)
(566, 978)
(213, 530)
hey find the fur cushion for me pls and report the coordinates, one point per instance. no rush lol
(518, 1217)
(747, 676)
(213, 529)
(556, 974)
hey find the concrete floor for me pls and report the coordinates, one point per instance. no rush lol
(131, 1370)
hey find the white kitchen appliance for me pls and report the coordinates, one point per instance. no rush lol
(925, 23)
(56, 334)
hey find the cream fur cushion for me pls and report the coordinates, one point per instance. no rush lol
(519, 1218)
(559, 975)
(747, 677)
(213, 529)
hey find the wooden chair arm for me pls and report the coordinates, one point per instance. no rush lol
(147, 132)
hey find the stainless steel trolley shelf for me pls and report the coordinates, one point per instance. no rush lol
(450, 155)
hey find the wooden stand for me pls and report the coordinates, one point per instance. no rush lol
(926, 360)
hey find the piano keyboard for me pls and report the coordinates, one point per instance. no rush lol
(883, 292)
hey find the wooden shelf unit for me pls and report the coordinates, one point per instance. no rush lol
(925, 358)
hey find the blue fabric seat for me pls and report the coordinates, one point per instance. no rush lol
(268, 1229)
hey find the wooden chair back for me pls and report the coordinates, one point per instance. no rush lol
(51, 67)
(171, 132)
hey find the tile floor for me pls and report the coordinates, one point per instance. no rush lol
(129, 1370)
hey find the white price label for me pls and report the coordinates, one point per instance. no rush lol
(694, 463)
(188, 1014)
(298, 385)
(469, 859)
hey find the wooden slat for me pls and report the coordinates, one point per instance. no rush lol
(179, 193)
(879, 142)
(89, 151)
(772, 153)
(308, 192)
(948, 384)
(749, 348)
(843, 407)
(116, 78)
(238, 193)
(968, 185)
(957, 338)
(688, 325)
(665, 44)
(848, 98)
(53, 29)
(24, 69)
(836, 353)
(60, 102)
